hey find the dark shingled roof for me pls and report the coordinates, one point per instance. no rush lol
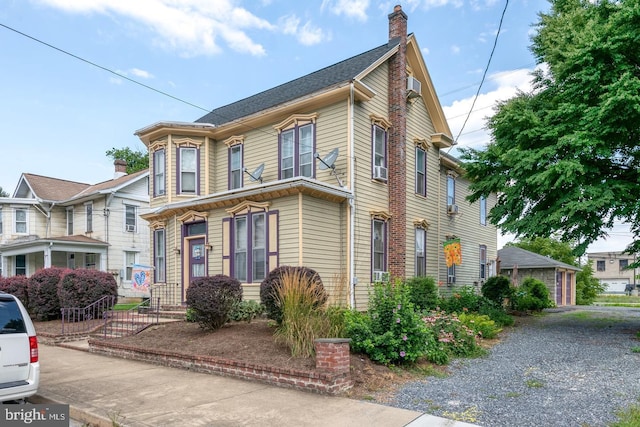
(341, 72)
(513, 255)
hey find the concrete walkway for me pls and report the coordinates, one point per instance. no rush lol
(106, 391)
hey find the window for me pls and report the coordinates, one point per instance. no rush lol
(451, 190)
(0, 221)
(71, 260)
(601, 265)
(483, 210)
(235, 167)
(483, 262)
(451, 274)
(90, 261)
(130, 218)
(70, 221)
(249, 250)
(421, 258)
(421, 171)
(21, 265)
(188, 170)
(21, 221)
(158, 173)
(159, 245)
(296, 151)
(88, 208)
(624, 263)
(379, 245)
(379, 140)
(130, 258)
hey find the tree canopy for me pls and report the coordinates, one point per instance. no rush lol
(560, 251)
(136, 160)
(3, 193)
(564, 159)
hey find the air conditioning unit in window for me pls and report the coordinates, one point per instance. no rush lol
(451, 280)
(130, 228)
(380, 173)
(380, 276)
(414, 87)
(452, 209)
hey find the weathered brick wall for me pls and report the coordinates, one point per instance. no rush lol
(327, 381)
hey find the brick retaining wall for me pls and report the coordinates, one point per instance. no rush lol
(326, 381)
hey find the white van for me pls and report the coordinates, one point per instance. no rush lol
(19, 365)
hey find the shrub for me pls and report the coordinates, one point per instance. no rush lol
(391, 332)
(497, 289)
(17, 286)
(497, 314)
(269, 289)
(246, 311)
(80, 288)
(454, 338)
(480, 324)
(423, 293)
(532, 295)
(212, 299)
(301, 298)
(44, 302)
(464, 299)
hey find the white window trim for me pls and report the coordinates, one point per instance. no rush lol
(125, 204)
(15, 220)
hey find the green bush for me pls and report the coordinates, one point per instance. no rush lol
(453, 337)
(423, 293)
(497, 313)
(269, 289)
(212, 299)
(391, 332)
(246, 311)
(481, 324)
(531, 295)
(464, 299)
(497, 289)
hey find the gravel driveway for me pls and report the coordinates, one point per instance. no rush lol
(570, 367)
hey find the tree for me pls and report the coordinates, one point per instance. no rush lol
(564, 159)
(3, 193)
(587, 286)
(136, 160)
(553, 248)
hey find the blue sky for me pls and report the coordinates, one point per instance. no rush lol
(60, 114)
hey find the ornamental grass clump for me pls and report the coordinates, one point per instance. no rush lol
(301, 300)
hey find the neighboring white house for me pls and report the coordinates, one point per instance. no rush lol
(612, 269)
(51, 222)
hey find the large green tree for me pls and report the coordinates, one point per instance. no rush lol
(564, 159)
(3, 193)
(137, 160)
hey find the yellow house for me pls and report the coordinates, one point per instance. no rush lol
(343, 171)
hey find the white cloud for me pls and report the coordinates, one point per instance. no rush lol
(191, 27)
(141, 73)
(306, 34)
(455, 49)
(356, 9)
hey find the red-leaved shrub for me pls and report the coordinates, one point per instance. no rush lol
(17, 286)
(79, 288)
(44, 303)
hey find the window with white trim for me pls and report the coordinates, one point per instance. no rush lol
(70, 221)
(249, 249)
(379, 146)
(188, 170)
(483, 262)
(421, 251)
(379, 245)
(451, 190)
(235, 166)
(159, 255)
(483, 210)
(296, 151)
(130, 218)
(451, 274)
(21, 265)
(90, 261)
(130, 258)
(88, 209)
(0, 222)
(159, 167)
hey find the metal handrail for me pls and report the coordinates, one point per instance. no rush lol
(84, 319)
(119, 323)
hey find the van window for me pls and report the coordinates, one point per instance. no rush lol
(11, 321)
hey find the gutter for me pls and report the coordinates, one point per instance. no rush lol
(352, 205)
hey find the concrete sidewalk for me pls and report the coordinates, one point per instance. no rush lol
(106, 391)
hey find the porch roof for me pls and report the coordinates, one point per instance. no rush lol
(32, 244)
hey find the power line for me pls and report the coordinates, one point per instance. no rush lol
(484, 75)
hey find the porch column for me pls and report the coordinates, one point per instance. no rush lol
(47, 257)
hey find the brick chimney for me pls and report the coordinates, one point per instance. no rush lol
(121, 168)
(397, 143)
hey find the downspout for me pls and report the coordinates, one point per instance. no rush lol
(352, 201)
(439, 211)
(106, 213)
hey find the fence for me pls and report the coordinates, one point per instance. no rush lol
(86, 319)
(169, 293)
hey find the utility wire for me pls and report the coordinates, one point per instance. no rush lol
(484, 75)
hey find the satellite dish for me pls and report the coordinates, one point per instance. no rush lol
(329, 159)
(256, 175)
